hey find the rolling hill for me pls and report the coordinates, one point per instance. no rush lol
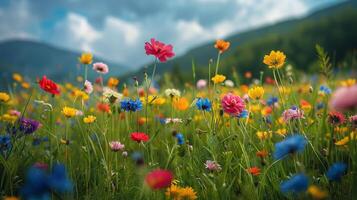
(34, 59)
(333, 28)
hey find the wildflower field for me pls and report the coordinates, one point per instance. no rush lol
(276, 137)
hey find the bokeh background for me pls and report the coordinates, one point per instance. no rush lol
(41, 37)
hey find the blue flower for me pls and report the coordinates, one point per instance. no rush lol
(39, 184)
(243, 114)
(272, 100)
(5, 144)
(292, 144)
(320, 106)
(180, 139)
(297, 183)
(325, 89)
(203, 104)
(336, 171)
(131, 105)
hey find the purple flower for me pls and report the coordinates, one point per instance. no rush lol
(28, 126)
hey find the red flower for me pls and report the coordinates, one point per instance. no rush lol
(336, 118)
(255, 171)
(159, 178)
(159, 50)
(138, 137)
(103, 107)
(49, 86)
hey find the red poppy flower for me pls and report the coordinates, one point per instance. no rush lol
(138, 137)
(255, 171)
(159, 178)
(49, 86)
(158, 49)
(103, 107)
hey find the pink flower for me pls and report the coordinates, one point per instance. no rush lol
(212, 165)
(116, 146)
(88, 87)
(15, 113)
(159, 178)
(201, 84)
(101, 68)
(344, 98)
(232, 104)
(158, 49)
(293, 113)
(353, 120)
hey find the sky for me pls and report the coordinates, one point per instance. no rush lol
(116, 30)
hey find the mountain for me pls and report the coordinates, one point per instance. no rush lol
(333, 28)
(34, 59)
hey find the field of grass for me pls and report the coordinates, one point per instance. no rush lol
(279, 137)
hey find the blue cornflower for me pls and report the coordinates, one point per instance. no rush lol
(325, 89)
(203, 104)
(138, 158)
(180, 139)
(292, 144)
(243, 114)
(336, 171)
(131, 105)
(39, 184)
(297, 183)
(272, 100)
(5, 144)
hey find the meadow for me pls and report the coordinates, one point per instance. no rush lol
(278, 137)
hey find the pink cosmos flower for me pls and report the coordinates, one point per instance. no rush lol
(232, 104)
(292, 113)
(158, 49)
(101, 68)
(212, 165)
(201, 84)
(88, 87)
(116, 146)
(344, 98)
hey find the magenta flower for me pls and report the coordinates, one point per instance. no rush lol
(344, 98)
(101, 68)
(116, 146)
(158, 49)
(293, 113)
(232, 104)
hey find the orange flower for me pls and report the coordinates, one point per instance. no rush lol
(222, 45)
(181, 104)
(113, 82)
(255, 171)
(262, 153)
(103, 107)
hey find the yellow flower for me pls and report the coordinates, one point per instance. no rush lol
(187, 193)
(11, 198)
(4, 97)
(8, 118)
(69, 112)
(17, 77)
(86, 58)
(284, 90)
(113, 82)
(316, 192)
(173, 191)
(256, 92)
(343, 141)
(348, 83)
(255, 108)
(153, 100)
(80, 94)
(275, 59)
(25, 85)
(218, 79)
(89, 119)
(222, 45)
(262, 135)
(281, 131)
(181, 103)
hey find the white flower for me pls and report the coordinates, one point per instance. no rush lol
(172, 93)
(88, 87)
(111, 95)
(229, 83)
(173, 120)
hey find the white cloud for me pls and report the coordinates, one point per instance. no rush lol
(129, 31)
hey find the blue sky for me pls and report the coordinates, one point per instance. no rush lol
(117, 29)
